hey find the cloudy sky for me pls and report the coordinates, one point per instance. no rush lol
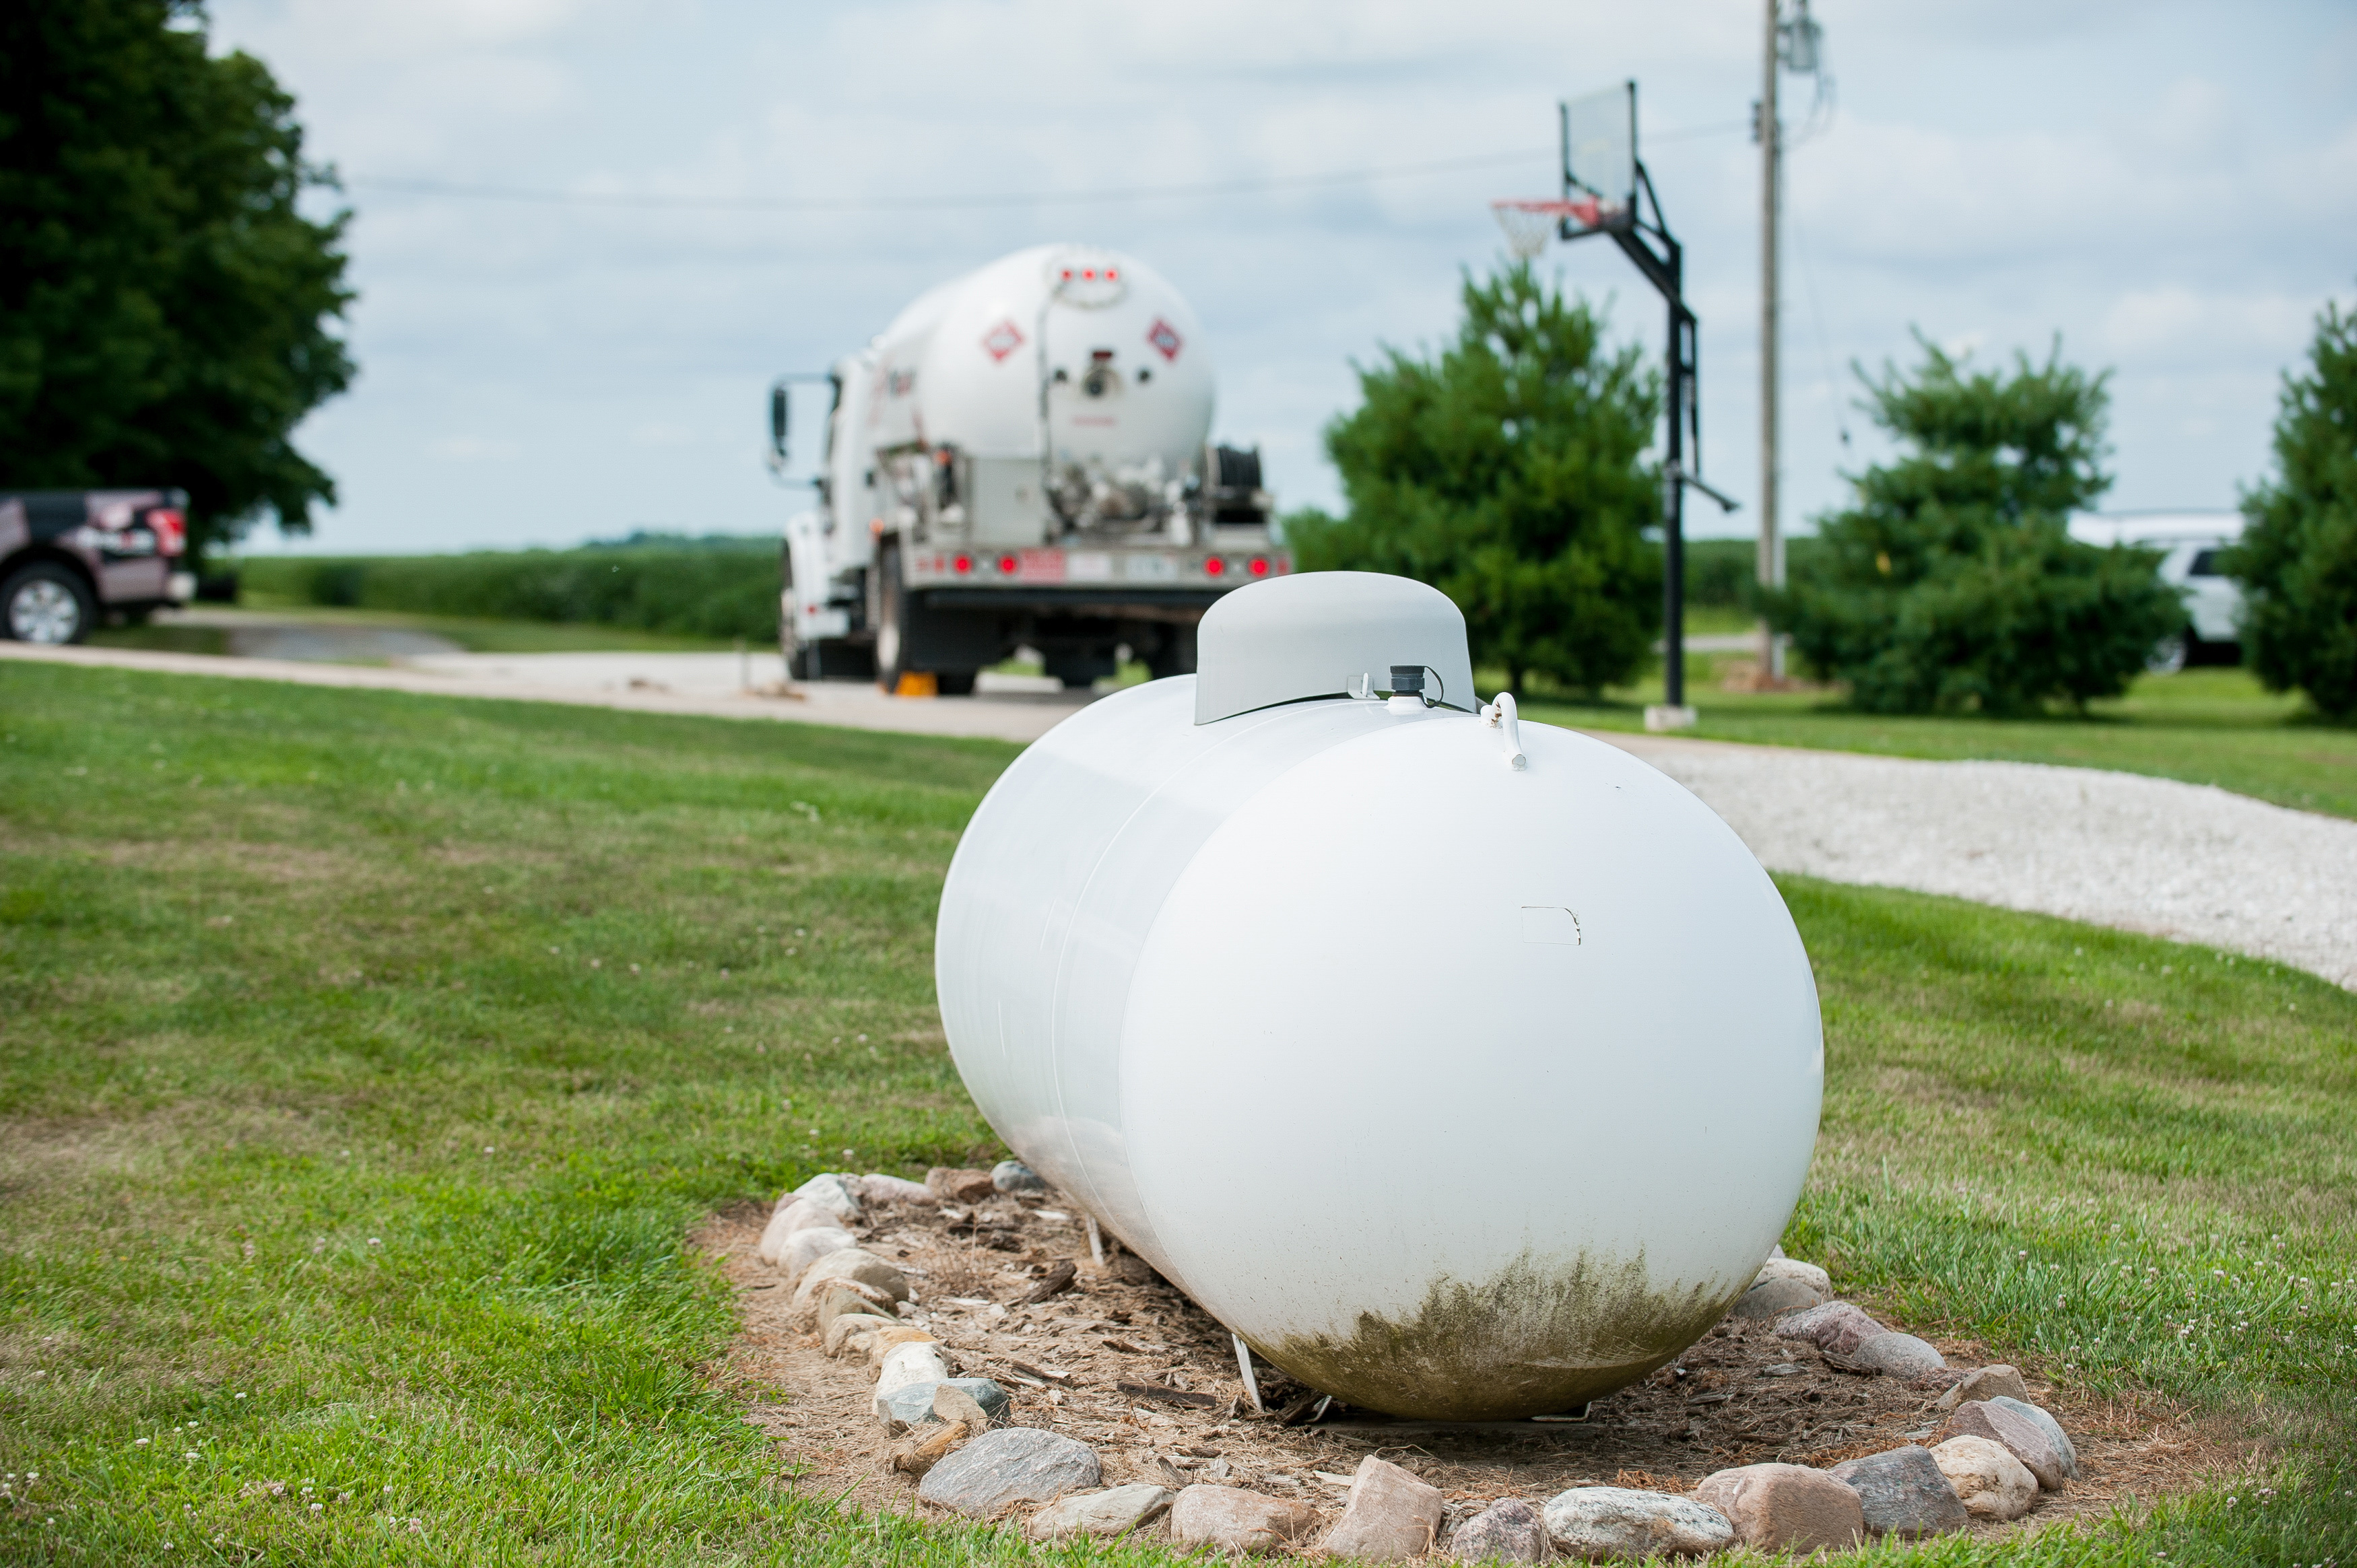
(707, 192)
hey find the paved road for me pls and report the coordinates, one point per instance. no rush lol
(2185, 861)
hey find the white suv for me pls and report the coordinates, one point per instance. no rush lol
(2192, 542)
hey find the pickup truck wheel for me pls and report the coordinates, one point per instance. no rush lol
(955, 682)
(46, 603)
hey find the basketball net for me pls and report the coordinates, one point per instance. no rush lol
(1530, 224)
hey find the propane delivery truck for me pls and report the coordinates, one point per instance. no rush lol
(1020, 460)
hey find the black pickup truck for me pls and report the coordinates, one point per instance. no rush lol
(71, 559)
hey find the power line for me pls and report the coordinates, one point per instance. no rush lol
(553, 198)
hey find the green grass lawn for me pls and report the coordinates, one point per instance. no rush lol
(2205, 725)
(367, 1059)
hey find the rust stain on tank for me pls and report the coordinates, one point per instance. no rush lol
(1531, 1340)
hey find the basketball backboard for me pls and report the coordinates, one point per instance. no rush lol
(1599, 152)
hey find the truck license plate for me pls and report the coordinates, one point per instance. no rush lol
(1150, 569)
(1088, 566)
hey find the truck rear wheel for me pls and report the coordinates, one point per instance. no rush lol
(46, 603)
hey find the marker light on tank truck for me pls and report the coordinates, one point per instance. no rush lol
(1539, 1031)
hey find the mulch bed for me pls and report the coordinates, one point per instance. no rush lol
(1123, 1361)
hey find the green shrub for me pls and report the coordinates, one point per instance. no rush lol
(1508, 472)
(1724, 573)
(725, 588)
(2297, 559)
(1951, 582)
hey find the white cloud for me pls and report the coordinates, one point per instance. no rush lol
(2171, 194)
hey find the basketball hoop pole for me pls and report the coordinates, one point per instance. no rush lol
(1606, 188)
(1648, 243)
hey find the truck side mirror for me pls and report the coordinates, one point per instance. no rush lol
(778, 424)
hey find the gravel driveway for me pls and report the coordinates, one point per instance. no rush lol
(2186, 861)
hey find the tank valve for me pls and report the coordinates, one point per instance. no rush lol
(1500, 716)
(1407, 689)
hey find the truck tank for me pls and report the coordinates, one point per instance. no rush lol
(1080, 364)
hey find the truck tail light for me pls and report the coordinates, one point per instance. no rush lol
(1006, 564)
(1214, 567)
(964, 564)
(1260, 566)
(171, 531)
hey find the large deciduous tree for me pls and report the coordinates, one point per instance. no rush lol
(1952, 583)
(1509, 473)
(165, 307)
(2297, 559)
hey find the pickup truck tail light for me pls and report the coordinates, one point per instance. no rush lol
(171, 531)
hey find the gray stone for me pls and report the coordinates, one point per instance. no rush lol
(1597, 1524)
(851, 1263)
(874, 1187)
(1507, 1531)
(1985, 1383)
(791, 1215)
(949, 1184)
(1990, 1482)
(800, 1249)
(917, 1405)
(1780, 1267)
(1009, 1465)
(839, 1298)
(832, 1193)
(1118, 1511)
(1392, 1515)
(952, 1404)
(1903, 1493)
(1897, 1356)
(1785, 1508)
(1774, 1298)
(1784, 1268)
(838, 1332)
(1837, 1327)
(1229, 1519)
(2045, 1419)
(905, 1366)
(2031, 1434)
(1013, 1175)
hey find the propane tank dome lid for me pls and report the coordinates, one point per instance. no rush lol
(1325, 634)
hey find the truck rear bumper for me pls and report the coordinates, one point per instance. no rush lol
(1153, 603)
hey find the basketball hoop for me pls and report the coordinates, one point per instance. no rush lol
(1530, 224)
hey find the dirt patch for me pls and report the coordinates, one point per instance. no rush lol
(1122, 1362)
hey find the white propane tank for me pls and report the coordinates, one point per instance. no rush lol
(1461, 1088)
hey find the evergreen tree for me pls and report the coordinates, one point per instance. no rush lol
(2297, 559)
(164, 306)
(1951, 582)
(1508, 473)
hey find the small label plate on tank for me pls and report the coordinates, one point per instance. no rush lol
(1551, 924)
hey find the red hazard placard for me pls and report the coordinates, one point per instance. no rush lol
(1164, 337)
(1002, 340)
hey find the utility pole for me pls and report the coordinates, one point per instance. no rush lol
(1791, 42)
(1772, 151)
